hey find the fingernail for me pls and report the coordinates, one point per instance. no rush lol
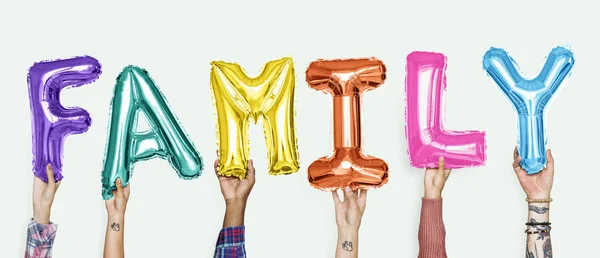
(441, 159)
(347, 189)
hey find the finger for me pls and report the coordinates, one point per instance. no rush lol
(350, 197)
(336, 196)
(441, 165)
(549, 160)
(362, 200)
(251, 170)
(216, 165)
(50, 176)
(516, 153)
(517, 162)
(119, 187)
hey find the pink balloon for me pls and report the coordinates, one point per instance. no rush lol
(427, 138)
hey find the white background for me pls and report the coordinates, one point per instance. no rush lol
(484, 208)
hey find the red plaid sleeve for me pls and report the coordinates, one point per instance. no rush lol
(40, 239)
(231, 243)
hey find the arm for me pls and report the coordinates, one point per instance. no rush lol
(348, 215)
(432, 234)
(537, 187)
(231, 240)
(113, 241)
(41, 231)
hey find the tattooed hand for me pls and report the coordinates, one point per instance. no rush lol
(116, 206)
(435, 180)
(537, 186)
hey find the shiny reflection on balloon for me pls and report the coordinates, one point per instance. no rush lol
(529, 98)
(136, 94)
(427, 137)
(239, 99)
(51, 122)
(346, 81)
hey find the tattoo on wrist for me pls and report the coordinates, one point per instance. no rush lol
(538, 210)
(115, 226)
(347, 245)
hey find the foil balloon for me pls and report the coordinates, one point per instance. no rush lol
(427, 137)
(52, 122)
(529, 97)
(346, 81)
(135, 93)
(239, 99)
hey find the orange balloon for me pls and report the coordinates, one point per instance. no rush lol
(345, 81)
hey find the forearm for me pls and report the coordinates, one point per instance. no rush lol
(538, 236)
(234, 214)
(41, 215)
(347, 244)
(113, 242)
(432, 232)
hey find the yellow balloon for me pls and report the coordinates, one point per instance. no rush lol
(239, 98)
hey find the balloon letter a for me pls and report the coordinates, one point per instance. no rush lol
(136, 93)
(51, 122)
(345, 81)
(238, 99)
(427, 138)
(529, 97)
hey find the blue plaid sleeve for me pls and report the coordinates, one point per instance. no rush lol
(231, 243)
(40, 239)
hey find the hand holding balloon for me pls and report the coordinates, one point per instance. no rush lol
(115, 206)
(536, 186)
(235, 192)
(43, 196)
(435, 180)
(348, 216)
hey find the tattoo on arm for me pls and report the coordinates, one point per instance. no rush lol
(538, 210)
(347, 245)
(547, 247)
(115, 226)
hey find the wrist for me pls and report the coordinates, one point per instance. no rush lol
(538, 196)
(235, 204)
(432, 194)
(41, 217)
(345, 232)
(116, 217)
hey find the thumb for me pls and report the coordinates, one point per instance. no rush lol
(50, 176)
(119, 188)
(350, 197)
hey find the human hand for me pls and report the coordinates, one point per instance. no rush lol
(116, 206)
(348, 214)
(435, 179)
(43, 196)
(236, 190)
(536, 186)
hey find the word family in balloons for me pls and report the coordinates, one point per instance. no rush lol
(240, 99)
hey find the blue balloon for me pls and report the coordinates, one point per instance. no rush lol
(529, 97)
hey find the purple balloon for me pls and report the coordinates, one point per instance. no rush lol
(51, 122)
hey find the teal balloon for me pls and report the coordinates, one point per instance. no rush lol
(136, 93)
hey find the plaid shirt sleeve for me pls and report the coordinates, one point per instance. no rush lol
(231, 243)
(40, 239)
